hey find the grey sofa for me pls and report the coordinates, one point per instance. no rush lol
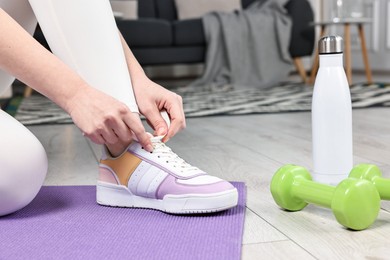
(157, 37)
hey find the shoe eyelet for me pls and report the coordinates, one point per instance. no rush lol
(158, 156)
(142, 147)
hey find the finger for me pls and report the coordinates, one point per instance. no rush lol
(107, 133)
(176, 114)
(156, 121)
(110, 136)
(121, 131)
(133, 121)
(96, 138)
(173, 130)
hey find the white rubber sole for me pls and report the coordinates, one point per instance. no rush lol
(108, 194)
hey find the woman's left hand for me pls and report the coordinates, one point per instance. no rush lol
(152, 99)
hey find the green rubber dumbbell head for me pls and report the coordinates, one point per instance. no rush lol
(355, 203)
(281, 185)
(373, 174)
(365, 171)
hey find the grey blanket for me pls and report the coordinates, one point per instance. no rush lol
(247, 48)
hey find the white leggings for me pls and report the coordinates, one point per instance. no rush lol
(84, 35)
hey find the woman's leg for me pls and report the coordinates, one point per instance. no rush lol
(84, 35)
(23, 165)
(19, 10)
(23, 161)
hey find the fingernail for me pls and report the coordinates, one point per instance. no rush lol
(161, 131)
(149, 148)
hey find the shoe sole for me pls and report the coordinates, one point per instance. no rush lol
(108, 194)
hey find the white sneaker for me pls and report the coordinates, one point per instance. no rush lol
(160, 180)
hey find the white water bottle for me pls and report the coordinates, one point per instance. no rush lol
(331, 115)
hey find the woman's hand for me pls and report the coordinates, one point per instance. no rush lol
(153, 98)
(104, 119)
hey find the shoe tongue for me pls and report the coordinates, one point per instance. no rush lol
(166, 118)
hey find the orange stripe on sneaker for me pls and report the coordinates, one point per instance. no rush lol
(123, 166)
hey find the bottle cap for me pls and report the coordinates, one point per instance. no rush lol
(330, 44)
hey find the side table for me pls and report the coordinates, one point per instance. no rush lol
(346, 22)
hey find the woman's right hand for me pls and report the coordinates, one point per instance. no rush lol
(106, 120)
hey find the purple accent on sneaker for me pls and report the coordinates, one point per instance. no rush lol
(171, 187)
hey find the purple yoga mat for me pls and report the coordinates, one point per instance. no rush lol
(66, 223)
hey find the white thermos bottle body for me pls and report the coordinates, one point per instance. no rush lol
(331, 115)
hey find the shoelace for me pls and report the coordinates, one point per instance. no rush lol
(165, 152)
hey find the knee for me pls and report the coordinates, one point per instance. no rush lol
(23, 164)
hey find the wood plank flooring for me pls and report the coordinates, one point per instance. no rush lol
(250, 149)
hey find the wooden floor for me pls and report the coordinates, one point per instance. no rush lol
(250, 149)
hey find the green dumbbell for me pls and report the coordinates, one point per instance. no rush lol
(354, 202)
(372, 173)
